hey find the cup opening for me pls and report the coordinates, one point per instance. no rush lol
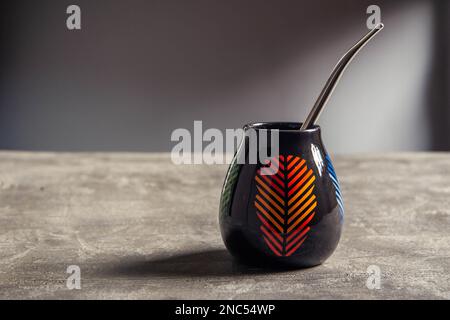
(281, 126)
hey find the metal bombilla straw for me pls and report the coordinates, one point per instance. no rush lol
(335, 76)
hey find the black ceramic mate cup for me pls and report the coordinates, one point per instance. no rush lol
(286, 211)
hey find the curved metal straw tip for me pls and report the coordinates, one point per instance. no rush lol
(336, 75)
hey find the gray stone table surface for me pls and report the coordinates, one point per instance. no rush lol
(140, 227)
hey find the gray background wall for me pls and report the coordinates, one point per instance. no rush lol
(139, 69)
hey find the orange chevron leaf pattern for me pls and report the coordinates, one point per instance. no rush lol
(285, 203)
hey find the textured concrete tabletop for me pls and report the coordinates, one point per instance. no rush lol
(141, 227)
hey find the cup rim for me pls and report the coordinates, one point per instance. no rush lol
(281, 126)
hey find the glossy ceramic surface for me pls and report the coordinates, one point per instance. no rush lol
(292, 217)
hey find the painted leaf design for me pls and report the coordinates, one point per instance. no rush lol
(228, 187)
(335, 181)
(285, 203)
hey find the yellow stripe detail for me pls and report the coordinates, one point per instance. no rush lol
(301, 200)
(268, 216)
(307, 203)
(302, 217)
(268, 189)
(268, 198)
(298, 194)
